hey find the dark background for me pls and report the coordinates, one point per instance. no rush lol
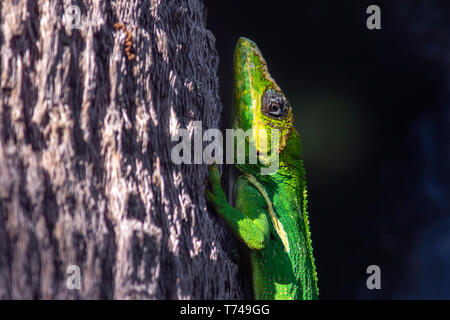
(372, 107)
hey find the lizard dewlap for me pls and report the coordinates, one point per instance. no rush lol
(270, 213)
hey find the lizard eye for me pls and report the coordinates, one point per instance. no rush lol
(276, 110)
(273, 104)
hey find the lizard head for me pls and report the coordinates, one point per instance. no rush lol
(259, 105)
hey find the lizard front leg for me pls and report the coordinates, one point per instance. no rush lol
(249, 223)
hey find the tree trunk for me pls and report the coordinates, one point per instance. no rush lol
(86, 177)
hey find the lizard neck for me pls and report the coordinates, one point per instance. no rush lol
(291, 164)
(290, 171)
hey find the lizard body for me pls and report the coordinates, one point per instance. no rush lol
(270, 213)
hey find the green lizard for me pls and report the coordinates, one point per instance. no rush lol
(270, 214)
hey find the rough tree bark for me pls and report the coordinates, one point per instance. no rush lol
(86, 176)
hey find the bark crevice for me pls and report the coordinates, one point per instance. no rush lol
(86, 176)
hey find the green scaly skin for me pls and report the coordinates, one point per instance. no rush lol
(270, 214)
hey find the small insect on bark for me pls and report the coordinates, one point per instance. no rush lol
(128, 41)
